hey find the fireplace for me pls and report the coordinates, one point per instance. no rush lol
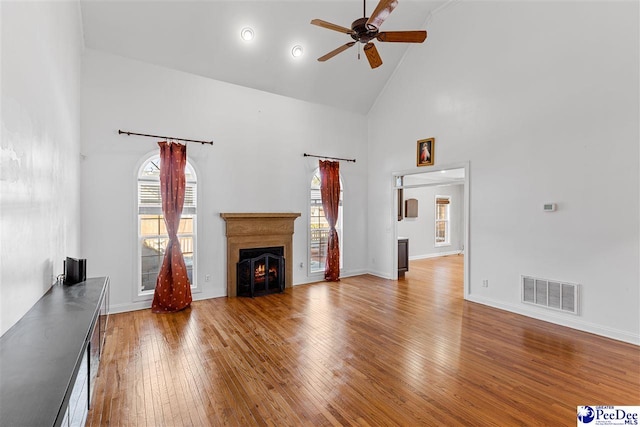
(260, 271)
(256, 231)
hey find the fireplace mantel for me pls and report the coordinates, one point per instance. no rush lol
(256, 230)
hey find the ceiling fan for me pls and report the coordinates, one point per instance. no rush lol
(365, 29)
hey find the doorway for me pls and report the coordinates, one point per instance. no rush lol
(425, 189)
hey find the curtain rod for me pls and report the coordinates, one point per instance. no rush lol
(327, 157)
(120, 132)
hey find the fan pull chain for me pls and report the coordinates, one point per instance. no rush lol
(358, 51)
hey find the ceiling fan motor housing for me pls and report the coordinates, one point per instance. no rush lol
(362, 32)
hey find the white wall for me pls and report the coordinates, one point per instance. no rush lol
(39, 177)
(542, 99)
(255, 164)
(421, 230)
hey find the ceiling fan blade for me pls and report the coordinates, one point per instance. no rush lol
(372, 55)
(382, 11)
(336, 51)
(402, 36)
(330, 26)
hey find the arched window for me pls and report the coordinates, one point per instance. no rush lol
(319, 228)
(152, 232)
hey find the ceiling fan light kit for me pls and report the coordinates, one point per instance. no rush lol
(366, 29)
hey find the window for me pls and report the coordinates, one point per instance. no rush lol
(152, 232)
(319, 228)
(442, 220)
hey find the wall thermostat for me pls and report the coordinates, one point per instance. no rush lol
(549, 207)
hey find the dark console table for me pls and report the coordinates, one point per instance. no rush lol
(403, 256)
(49, 359)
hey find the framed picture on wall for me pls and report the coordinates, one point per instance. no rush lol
(426, 150)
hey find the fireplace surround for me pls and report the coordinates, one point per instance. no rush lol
(258, 230)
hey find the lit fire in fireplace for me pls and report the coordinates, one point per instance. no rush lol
(259, 273)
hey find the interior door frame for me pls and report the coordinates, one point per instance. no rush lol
(466, 211)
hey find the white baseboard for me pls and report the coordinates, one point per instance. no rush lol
(570, 321)
(434, 255)
(353, 273)
(319, 277)
(143, 305)
(134, 306)
(552, 317)
(380, 274)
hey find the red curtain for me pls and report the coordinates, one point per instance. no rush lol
(330, 193)
(173, 289)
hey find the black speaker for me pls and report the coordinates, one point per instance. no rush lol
(75, 270)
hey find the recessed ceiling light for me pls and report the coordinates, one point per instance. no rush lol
(297, 51)
(247, 34)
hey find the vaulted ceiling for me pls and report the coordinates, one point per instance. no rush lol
(203, 38)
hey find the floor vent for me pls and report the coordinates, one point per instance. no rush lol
(551, 294)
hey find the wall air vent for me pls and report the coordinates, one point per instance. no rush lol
(553, 294)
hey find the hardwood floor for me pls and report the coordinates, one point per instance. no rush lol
(363, 351)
